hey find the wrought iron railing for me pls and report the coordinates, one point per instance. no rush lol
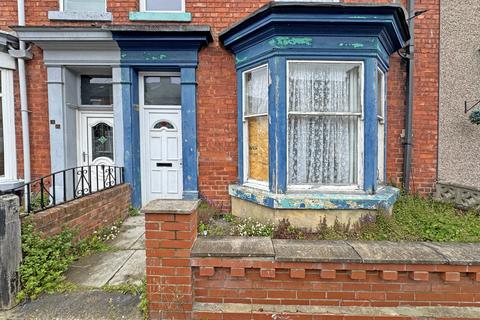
(67, 185)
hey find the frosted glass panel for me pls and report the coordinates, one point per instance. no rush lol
(163, 5)
(84, 5)
(324, 103)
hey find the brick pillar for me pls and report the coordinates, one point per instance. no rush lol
(171, 230)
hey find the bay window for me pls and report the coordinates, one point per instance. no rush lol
(324, 113)
(255, 84)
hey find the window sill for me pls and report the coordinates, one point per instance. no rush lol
(161, 16)
(383, 199)
(79, 16)
(7, 184)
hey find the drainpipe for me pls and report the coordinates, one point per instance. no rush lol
(407, 161)
(23, 97)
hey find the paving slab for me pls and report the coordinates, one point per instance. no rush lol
(96, 270)
(135, 221)
(233, 247)
(314, 251)
(139, 244)
(132, 272)
(458, 253)
(396, 252)
(129, 234)
(79, 305)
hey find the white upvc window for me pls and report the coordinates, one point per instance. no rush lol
(255, 126)
(381, 105)
(8, 159)
(325, 125)
(83, 5)
(162, 5)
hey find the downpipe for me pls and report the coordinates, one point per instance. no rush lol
(408, 143)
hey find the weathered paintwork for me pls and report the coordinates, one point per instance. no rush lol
(157, 51)
(382, 199)
(278, 33)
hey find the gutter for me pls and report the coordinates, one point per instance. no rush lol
(408, 144)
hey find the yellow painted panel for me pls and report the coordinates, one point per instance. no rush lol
(258, 148)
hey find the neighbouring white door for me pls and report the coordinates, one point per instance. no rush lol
(96, 150)
(161, 149)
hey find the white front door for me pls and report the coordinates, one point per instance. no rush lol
(96, 148)
(161, 150)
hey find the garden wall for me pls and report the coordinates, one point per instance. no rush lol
(86, 214)
(257, 278)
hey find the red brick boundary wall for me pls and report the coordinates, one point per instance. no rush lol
(257, 278)
(86, 214)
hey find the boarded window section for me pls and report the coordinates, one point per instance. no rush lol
(2, 137)
(256, 119)
(102, 141)
(323, 123)
(84, 5)
(162, 91)
(381, 93)
(96, 90)
(164, 5)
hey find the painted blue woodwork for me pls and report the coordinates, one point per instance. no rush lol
(160, 16)
(165, 50)
(279, 32)
(384, 198)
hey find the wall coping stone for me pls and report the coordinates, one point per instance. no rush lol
(171, 206)
(375, 252)
(234, 247)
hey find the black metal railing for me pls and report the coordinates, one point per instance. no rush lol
(67, 185)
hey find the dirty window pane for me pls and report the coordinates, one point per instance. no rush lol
(163, 125)
(96, 90)
(102, 141)
(163, 5)
(323, 122)
(162, 91)
(84, 5)
(256, 119)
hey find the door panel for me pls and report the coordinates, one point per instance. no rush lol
(162, 172)
(96, 149)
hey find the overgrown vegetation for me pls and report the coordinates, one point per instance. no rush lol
(413, 219)
(137, 290)
(45, 259)
(134, 212)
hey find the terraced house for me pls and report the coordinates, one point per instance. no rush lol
(274, 109)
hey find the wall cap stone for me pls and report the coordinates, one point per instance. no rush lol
(372, 252)
(171, 206)
(233, 247)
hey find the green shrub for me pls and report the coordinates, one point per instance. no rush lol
(44, 261)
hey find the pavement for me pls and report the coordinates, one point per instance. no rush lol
(124, 264)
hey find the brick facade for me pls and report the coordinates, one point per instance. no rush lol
(217, 98)
(86, 214)
(238, 286)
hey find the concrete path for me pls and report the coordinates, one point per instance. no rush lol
(125, 264)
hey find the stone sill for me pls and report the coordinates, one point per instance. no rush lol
(160, 16)
(373, 252)
(6, 185)
(383, 199)
(79, 16)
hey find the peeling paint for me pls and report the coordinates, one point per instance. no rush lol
(354, 45)
(285, 42)
(241, 60)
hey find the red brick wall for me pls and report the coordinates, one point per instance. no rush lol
(86, 214)
(178, 285)
(217, 109)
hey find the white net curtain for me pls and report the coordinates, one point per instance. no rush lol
(323, 123)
